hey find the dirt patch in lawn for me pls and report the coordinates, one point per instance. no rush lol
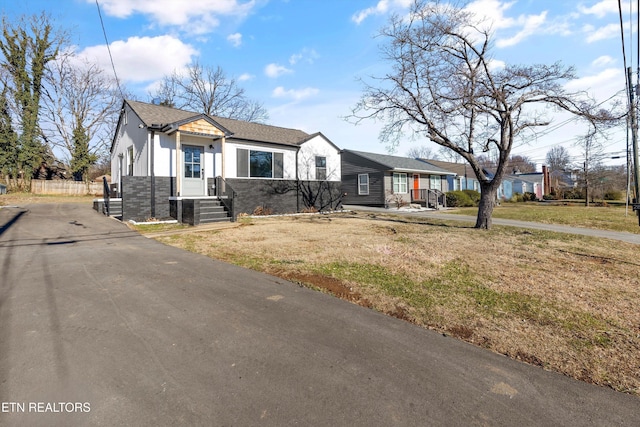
(565, 303)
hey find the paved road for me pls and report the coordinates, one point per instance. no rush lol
(605, 234)
(144, 334)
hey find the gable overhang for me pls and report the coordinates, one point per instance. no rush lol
(200, 125)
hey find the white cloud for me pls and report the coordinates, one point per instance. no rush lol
(603, 61)
(137, 58)
(295, 95)
(530, 25)
(382, 7)
(275, 70)
(235, 39)
(197, 17)
(601, 85)
(602, 8)
(245, 77)
(306, 55)
(602, 33)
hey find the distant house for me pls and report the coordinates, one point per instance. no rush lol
(377, 179)
(167, 162)
(537, 183)
(463, 178)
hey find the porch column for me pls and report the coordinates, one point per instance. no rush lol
(222, 144)
(178, 164)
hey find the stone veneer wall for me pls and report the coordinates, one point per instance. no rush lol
(278, 196)
(136, 197)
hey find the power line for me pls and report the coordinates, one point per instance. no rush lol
(115, 74)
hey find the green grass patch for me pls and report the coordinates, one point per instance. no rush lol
(605, 218)
(461, 293)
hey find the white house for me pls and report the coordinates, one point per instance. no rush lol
(167, 162)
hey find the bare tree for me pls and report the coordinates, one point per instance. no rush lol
(81, 106)
(210, 91)
(421, 152)
(592, 155)
(558, 158)
(521, 164)
(445, 85)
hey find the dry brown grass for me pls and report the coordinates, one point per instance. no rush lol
(566, 303)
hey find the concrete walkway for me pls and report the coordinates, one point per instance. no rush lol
(615, 235)
(101, 326)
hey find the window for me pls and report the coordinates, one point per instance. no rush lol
(259, 164)
(400, 183)
(436, 183)
(321, 168)
(363, 184)
(457, 184)
(130, 161)
(192, 159)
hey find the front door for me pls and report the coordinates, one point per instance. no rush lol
(416, 187)
(193, 183)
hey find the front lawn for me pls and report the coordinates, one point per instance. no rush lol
(564, 302)
(605, 218)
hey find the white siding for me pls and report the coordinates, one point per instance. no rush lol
(318, 146)
(230, 154)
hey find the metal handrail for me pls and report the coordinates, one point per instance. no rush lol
(227, 195)
(106, 194)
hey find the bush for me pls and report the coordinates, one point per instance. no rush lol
(459, 199)
(473, 195)
(614, 195)
(526, 197)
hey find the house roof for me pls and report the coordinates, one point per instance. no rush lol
(460, 169)
(398, 163)
(152, 114)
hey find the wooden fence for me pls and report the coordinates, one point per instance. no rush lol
(68, 188)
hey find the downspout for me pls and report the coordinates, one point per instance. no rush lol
(297, 183)
(153, 175)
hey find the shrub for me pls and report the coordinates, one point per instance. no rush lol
(614, 195)
(262, 210)
(473, 195)
(459, 199)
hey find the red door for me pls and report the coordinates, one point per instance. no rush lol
(416, 187)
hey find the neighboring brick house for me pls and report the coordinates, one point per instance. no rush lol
(167, 162)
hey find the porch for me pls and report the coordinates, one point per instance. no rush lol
(429, 198)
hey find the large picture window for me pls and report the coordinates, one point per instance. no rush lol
(363, 184)
(400, 183)
(259, 164)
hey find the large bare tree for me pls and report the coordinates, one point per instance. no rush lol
(209, 90)
(444, 84)
(81, 103)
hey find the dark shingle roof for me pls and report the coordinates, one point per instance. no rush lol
(152, 114)
(402, 163)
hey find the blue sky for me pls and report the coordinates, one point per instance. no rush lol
(302, 58)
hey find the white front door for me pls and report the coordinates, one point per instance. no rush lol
(193, 183)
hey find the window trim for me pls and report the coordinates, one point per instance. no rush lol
(243, 163)
(321, 169)
(400, 183)
(130, 160)
(361, 184)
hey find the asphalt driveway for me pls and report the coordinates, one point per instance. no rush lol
(101, 326)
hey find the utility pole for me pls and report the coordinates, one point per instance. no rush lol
(634, 141)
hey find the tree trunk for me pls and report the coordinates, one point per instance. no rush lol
(488, 193)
